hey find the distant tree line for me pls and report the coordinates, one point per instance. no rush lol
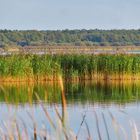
(70, 37)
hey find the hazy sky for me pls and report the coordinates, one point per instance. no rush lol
(69, 14)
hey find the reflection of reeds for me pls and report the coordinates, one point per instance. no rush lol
(63, 132)
(51, 93)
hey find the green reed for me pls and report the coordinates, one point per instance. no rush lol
(70, 66)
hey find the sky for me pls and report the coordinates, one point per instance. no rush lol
(69, 14)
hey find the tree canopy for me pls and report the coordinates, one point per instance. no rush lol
(70, 37)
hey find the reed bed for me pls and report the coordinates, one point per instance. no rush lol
(72, 67)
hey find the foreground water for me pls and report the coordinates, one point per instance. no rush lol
(99, 110)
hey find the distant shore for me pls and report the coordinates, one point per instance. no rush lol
(52, 50)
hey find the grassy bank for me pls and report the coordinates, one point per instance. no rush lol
(72, 67)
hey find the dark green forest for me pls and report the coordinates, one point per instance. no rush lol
(70, 37)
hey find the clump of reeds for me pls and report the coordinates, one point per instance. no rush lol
(72, 67)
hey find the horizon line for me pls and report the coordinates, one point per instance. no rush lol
(80, 29)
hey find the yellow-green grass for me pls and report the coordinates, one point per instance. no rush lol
(33, 68)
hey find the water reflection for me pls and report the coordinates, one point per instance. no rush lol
(84, 92)
(90, 102)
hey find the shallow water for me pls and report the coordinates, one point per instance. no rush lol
(116, 102)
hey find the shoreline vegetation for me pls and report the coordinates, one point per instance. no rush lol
(70, 38)
(34, 68)
(70, 50)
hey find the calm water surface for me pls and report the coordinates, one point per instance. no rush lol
(95, 103)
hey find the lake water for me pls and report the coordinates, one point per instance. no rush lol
(99, 110)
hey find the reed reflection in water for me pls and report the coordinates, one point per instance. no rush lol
(90, 110)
